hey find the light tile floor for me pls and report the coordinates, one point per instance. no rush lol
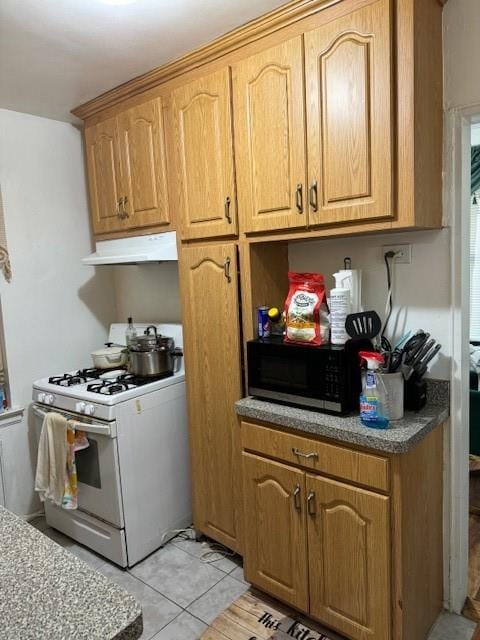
(180, 595)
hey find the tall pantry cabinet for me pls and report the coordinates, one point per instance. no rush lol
(210, 304)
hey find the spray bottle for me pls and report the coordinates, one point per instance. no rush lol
(373, 397)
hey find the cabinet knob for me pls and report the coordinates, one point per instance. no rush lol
(311, 506)
(299, 198)
(297, 498)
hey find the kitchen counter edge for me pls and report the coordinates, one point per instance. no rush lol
(46, 588)
(400, 437)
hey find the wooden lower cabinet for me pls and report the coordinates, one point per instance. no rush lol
(275, 538)
(348, 552)
(363, 560)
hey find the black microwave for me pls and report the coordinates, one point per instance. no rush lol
(325, 378)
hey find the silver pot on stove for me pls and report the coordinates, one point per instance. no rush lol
(152, 354)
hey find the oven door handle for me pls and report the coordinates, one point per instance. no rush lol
(101, 429)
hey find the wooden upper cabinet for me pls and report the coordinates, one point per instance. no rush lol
(275, 530)
(210, 312)
(141, 136)
(104, 176)
(204, 157)
(270, 138)
(349, 558)
(348, 68)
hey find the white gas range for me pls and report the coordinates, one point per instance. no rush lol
(134, 478)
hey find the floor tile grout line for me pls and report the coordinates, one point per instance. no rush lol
(165, 625)
(157, 591)
(205, 593)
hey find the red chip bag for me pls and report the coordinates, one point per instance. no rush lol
(306, 310)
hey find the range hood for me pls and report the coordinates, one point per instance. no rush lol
(160, 247)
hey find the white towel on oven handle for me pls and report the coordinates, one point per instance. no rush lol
(51, 473)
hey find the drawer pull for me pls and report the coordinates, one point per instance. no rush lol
(311, 507)
(300, 454)
(296, 498)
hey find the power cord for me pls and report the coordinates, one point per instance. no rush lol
(213, 551)
(389, 255)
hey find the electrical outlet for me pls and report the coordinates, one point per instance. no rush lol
(403, 251)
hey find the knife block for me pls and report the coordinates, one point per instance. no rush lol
(415, 396)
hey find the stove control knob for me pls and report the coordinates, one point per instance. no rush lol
(49, 399)
(89, 410)
(41, 397)
(80, 407)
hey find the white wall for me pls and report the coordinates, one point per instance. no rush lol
(422, 288)
(461, 33)
(55, 309)
(147, 293)
(461, 50)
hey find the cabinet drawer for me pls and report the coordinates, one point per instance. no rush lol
(363, 468)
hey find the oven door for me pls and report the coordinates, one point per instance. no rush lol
(99, 491)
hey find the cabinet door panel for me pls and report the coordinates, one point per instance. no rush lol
(142, 146)
(205, 173)
(348, 542)
(275, 552)
(212, 361)
(269, 138)
(104, 176)
(349, 116)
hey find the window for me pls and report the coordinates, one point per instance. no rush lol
(475, 246)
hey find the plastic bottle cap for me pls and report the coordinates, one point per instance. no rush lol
(273, 314)
(372, 358)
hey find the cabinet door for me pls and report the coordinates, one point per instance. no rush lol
(103, 167)
(270, 138)
(275, 550)
(205, 172)
(349, 558)
(212, 360)
(349, 116)
(144, 177)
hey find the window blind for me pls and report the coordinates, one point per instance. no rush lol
(475, 246)
(475, 267)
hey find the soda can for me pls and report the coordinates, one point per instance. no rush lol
(263, 322)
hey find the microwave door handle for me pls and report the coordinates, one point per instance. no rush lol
(100, 429)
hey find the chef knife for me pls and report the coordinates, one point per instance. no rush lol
(422, 353)
(422, 366)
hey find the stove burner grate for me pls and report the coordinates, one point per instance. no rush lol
(139, 381)
(68, 379)
(123, 382)
(108, 387)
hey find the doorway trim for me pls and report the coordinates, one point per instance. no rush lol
(457, 153)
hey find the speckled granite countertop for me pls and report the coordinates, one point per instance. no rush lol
(46, 592)
(401, 436)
